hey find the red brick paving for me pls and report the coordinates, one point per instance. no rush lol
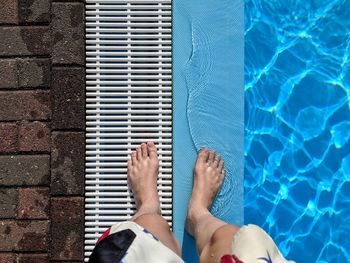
(25, 170)
(34, 203)
(8, 137)
(8, 258)
(24, 235)
(8, 202)
(32, 258)
(42, 99)
(66, 238)
(34, 136)
(67, 165)
(25, 105)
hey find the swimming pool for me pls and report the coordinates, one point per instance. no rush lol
(297, 125)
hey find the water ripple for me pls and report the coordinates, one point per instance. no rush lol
(297, 125)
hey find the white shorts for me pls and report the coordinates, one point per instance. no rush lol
(128, 242)
(251, 244)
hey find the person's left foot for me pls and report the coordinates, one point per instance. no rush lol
(143, 169)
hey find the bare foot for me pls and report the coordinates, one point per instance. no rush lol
(143, 169)
(209, 175)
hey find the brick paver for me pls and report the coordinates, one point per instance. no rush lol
(24, 235)
(8, 12)
(67, 166)
(25, 41)
(34, 136)
(68, 98)
(34, 11)
(25, 105)
(8, 202)
(68, 45)
(34, 203)
(66, 238)
(9, 137)
(24, 170)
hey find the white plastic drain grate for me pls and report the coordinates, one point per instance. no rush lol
(129, 101)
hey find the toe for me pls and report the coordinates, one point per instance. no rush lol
(222, 177)
(133, 158)
(138, 153)
(152, 150)
(221, 165)
(203, 155)
(223, 173)
(221, 180)
(129, 164)
(211, 157)
(144, 150)
(217, 160)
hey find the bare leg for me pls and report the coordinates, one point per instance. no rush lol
(213, 236)
(143, 168)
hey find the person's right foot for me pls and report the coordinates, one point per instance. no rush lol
(209, 173)
(143, 171)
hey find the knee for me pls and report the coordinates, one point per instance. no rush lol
(159, 228)
(150, 220)
(223, 234)
(220, 244)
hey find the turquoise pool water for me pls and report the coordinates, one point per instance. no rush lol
(297, 125)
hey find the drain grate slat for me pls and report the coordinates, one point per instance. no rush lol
(128, 101)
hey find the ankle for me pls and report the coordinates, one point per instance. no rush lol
(195, 216)
(196, 212)
(149, 207)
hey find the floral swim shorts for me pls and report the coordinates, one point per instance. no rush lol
(251, 244)
(128, 242)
